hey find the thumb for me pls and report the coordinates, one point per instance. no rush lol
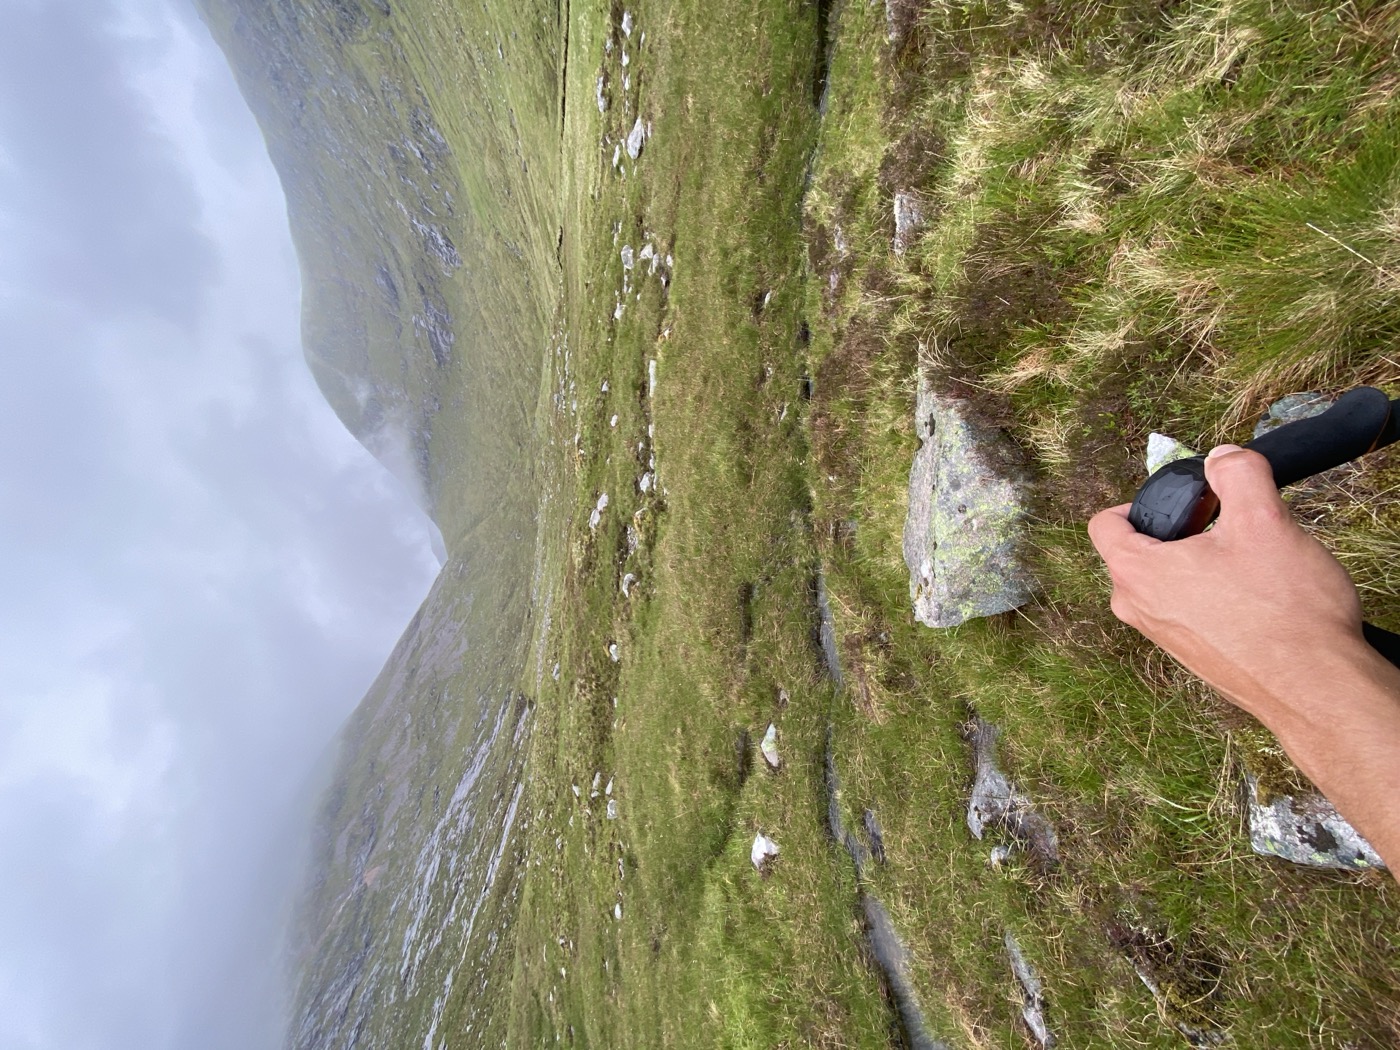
(1243, 481)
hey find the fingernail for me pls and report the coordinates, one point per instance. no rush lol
(1219, 450)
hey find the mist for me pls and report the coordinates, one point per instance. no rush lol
(203, 570)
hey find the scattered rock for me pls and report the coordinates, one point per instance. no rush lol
(613, 422)
(627, 23)
(602, 99)
(597, 515)
(627, 257)
(1162, 450)
(612, 809)
(996, 803)
(651, 376)
(764, 849)
(769, 747)
(908, 220)
(1306, 830)
(1033, 999)
(613, 654)
(1183, 981)
(635, 139)
(627, 582)
(617, 911)
(645, 482)
(967, 502)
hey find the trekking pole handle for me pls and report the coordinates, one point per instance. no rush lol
(1176, 501)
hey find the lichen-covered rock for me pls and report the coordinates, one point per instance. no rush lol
(1292, 407)
(967, 505)
(908, 220)
(1306, 830)
(995, 802)
(1162, 450)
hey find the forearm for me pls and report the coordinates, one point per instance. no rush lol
(1339, 720)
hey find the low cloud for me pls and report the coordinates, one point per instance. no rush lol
(203, 571)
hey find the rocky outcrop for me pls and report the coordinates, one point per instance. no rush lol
(968, 496)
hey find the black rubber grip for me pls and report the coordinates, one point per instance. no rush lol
(1355, 424)
(1382, 641)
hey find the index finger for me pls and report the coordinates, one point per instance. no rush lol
(1112, 533)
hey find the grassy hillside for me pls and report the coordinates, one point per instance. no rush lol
(1137, 217)
(1118, 203)
(418, 146)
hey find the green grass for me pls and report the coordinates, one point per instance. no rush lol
(1125, 237)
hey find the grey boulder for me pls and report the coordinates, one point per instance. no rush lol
(967, 506)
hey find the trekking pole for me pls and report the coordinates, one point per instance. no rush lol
(1176, 502)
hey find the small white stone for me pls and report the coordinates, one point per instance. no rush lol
(1162, 450)
(605, 386)
(763, 849)
(613, 654)
(608, 790)
(617, 912)
(612, 809)
(769, 747)
(613, 422)
(597, 516)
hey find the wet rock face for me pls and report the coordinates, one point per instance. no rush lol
(1306, 830)
(968, 499)
(995, 802)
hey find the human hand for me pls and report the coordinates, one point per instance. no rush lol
(1242, 605)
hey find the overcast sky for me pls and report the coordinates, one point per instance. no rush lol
(202, 571)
